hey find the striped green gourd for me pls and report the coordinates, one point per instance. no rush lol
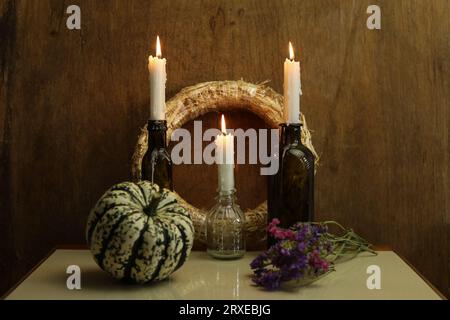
(139, 232)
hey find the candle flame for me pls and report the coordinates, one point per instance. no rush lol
(158, 47)
(224, 127)
(291, 52)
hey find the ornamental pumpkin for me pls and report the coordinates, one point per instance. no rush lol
(139, 232)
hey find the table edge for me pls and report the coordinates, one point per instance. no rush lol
(413, 268)
(30, 272)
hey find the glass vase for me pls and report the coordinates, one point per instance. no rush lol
(225, 228)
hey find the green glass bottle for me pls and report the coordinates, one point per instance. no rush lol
(156, 164)
(291, 189)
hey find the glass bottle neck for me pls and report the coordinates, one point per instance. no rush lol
(226, 198)
(291, 134)
(157, 130)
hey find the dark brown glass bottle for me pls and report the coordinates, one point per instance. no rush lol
(156, 164)
(291, 190)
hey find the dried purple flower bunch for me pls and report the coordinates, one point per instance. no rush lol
(304, 253)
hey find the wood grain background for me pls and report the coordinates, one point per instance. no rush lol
(72, 103)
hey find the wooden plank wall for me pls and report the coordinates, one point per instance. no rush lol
(72, 103)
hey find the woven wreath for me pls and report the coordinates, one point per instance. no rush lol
(197, 100)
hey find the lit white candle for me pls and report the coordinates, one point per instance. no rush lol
(292, 89)
(158, 77)
(225, 159)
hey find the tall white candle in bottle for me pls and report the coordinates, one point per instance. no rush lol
(225, 159)
(292, 89)
(158, 77)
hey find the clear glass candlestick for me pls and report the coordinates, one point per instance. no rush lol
(225, 228)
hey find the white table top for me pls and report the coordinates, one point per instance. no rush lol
(203, 278)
